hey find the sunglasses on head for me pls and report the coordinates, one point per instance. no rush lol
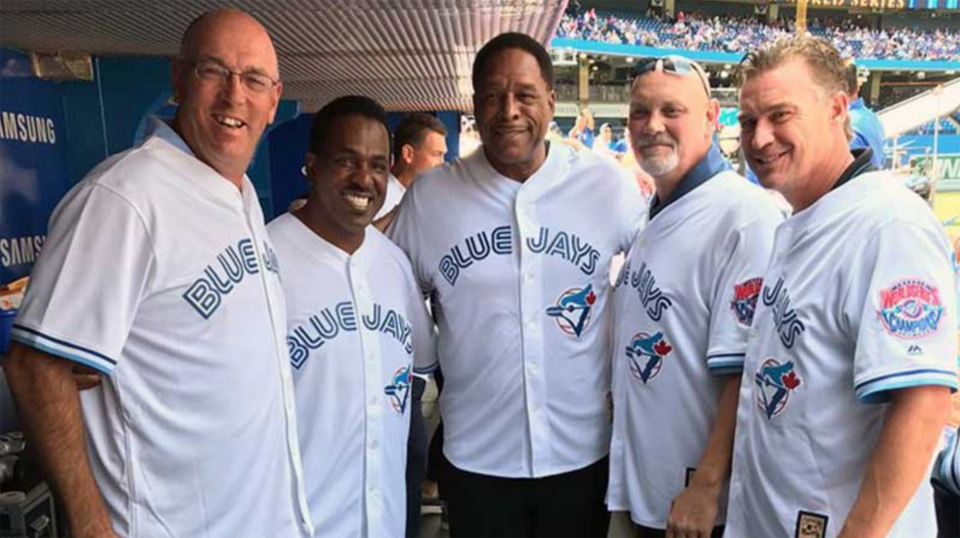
(676, 65)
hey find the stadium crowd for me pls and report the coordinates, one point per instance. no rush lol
(694, 31)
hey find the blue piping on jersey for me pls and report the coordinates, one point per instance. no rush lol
(82, 349)
(59, 352)
(875, 390)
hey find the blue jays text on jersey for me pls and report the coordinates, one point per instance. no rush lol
(219, 278)
(787, 321)
(654, 301)
(328, 323)
(479, 246)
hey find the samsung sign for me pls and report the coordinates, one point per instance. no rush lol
(27, 128)
(33, 163)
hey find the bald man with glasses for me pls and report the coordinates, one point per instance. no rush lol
(192, 431)
(683, 306)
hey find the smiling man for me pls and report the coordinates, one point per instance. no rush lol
(852, 357)
(514, 244)
(682, 319)
(357, 327)
(192, 432)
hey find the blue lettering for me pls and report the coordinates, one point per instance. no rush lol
(458, 257)
(309, 341)
(478, 248)
(449, 269)
(560, 246)
(347, 316)
(503, 240)
(249, 255)
(788, 325)
(203, 298)
(298, 353)
(391, 325)
(591, 264)
(372, 322)
(481, 251)
(230, 262)
(222, 286)
(541, 243)
(654, 301)
(327, 330)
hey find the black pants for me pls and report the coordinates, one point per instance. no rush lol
(649, 532)
(416, 458)
(948, 514)
(565, 505)
(435, 459)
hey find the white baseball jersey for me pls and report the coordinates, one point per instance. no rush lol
(684, 303)
(158, 272)
(357, 325)
(858, 301)
(520, 273)
(391, 199)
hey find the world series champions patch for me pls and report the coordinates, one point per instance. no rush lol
(811, 525)
(744, 304)
(910, 309)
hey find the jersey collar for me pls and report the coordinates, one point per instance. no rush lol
(710, 165)
(860, 165)
(163, 130)
(201, 173)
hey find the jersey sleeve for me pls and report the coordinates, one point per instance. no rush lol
(904, 315)
(736, 290)
(632, 209)
(423, 332)
(406, 233)
(87, 284)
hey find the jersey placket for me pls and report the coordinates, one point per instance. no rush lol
(273, 294)
(531, 312)
(373, 399)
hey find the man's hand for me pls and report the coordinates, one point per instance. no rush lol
(44, 388)
(85, 377)
(694, 511)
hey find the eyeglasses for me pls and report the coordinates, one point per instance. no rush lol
(677, 65)
(211, 71)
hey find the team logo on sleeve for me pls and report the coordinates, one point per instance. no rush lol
(775, 382)
(399, 389)
(745, 295)
(572, 309)
(910, 309)
(646, 354)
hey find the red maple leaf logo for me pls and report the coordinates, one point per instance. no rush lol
(791, 381)
(591, 298)
(662, 348)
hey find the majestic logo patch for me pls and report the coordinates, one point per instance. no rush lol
(399, 389)
(775, 382)
(910, 309)
(745, 295)
(646, 354)
(572, 309)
